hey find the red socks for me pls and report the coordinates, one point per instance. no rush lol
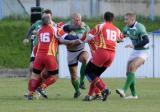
(33, 84)
(99, 84)
(96, 87)
(50, 80)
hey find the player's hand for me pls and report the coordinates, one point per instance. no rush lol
(129, 46)
(35, 32)
(25, 41)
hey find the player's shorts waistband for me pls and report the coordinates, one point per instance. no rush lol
(75, 50)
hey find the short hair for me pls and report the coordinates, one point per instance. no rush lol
(47, 11)
(133, 15)
(76, 15)
(108, 16)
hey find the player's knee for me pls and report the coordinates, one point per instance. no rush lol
(73, 76)
(36, 71)
(84, 57)
(132, 67)
(84, 61)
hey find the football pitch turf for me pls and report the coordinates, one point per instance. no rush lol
(61, 97)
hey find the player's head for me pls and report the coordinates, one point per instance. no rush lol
(46, 20)
(47, 12)
(76, 19)
(129, 19)
(108, 16)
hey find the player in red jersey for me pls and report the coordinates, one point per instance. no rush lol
(48, 39)
(106, 35)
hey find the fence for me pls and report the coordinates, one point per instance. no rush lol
(118, 68)
(94, 8)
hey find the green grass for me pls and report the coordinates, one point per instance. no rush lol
(60, 98)
(13, 54)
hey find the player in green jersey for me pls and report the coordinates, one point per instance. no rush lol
(140, 45)
(76, 53)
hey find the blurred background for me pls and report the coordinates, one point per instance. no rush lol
(88, 8)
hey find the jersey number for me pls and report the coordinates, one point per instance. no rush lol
(111, 35)
(44, 37)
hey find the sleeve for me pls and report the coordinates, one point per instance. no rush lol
(91, 34)
(143, 43)
(125, 31)
(142, 30)
(120, 35)
(60, 35)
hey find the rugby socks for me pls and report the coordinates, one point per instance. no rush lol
(132, 88)
(91, 89)
(49, 81)
(82, 73)
(33, 84)
(99, 83)
(97, 91)
(75, 84)
(94, 89)
(129, 80)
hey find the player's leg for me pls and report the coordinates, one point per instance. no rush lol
(99, 65)
(74, 80)
(35, 78)
(52, 68)
(52, 78)
(33, 83)
(83, 58)
(32, 58)
(92, 73)
(132, 66)
(72, 58)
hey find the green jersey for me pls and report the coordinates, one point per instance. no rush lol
(79, 32)
(36, 26)
(136, 33)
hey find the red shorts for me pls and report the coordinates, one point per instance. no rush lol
(45, 61)
(103, 58)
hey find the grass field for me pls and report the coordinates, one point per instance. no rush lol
(60, 98)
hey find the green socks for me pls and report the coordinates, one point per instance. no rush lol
(76, 85)
(130, 79)
(82, 73)
(132, 88)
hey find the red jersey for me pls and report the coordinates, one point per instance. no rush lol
(93, 44)
(106, 36)
(48, 40)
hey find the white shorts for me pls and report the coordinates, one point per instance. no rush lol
(139, 53)
(72, 57)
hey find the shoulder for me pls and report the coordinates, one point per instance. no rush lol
(125, 28)
(39, 22)
(85, 26)
(139, 26)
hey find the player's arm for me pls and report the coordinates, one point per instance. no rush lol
(120, 37)
(144, 37)
(63, 37)
(145, 41)
(28, 35)
(88, 36)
